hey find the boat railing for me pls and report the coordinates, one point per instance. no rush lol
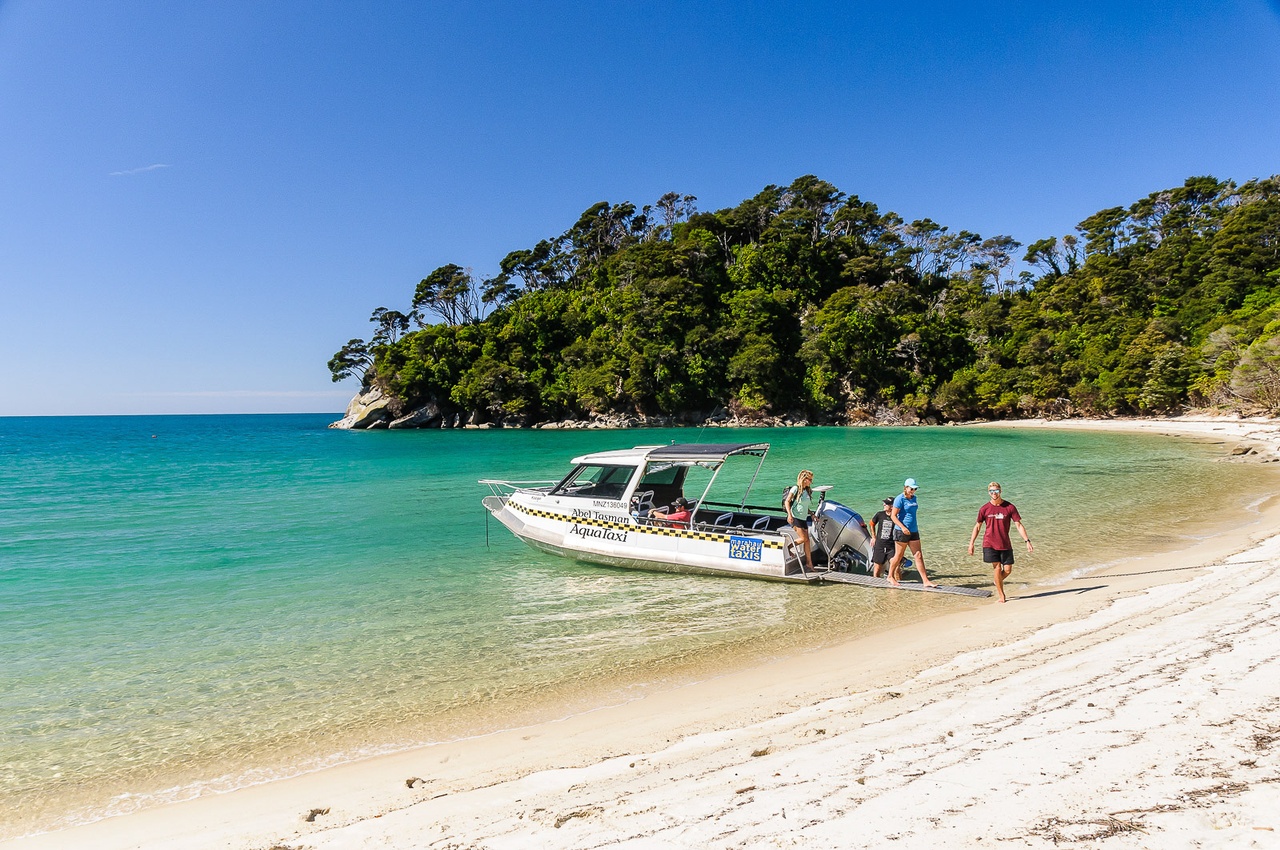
(661, 522)
(734, 506)
(793, 561)
(502, 489)
(717, 516)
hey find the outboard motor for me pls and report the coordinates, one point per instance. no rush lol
(843, 535)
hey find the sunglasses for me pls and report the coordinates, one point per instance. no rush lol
(996, 490)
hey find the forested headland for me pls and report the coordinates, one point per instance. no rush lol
(808, 303)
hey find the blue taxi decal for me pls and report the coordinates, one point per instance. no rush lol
(745, 548)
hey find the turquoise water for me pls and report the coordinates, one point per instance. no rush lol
(195, 603)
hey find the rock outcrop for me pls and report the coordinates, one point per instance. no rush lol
(423, 417)
(367, 410)
(375, 409)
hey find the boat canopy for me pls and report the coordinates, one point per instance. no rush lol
(699, 453)
(702, 452)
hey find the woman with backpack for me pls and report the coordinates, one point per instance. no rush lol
(799, 505)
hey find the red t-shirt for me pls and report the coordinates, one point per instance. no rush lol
(678, 515)
(998, 519)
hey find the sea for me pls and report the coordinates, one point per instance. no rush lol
(191, 604)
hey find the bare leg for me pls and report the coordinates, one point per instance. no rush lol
(1002, 573)
(808, 548)
(895, 565)
(919, 555)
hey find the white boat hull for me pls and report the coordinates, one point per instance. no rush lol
(605, 534)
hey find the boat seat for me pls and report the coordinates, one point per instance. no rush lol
(724, 519)
(644, 502)
(761, 524)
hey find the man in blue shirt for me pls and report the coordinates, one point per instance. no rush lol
(906, 534)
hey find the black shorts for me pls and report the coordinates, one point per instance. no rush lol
(997, 556)
(883, 551)
(900, 536)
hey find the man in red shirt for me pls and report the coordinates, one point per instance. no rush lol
(997, 550)
(679, 514)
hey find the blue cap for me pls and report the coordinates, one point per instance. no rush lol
(910, 482)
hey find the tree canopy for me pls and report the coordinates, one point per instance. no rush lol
(808, 301)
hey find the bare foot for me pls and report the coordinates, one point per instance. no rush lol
(1002, 599)
(931, 584)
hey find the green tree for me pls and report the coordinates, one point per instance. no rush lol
(352, 360)
(803, 297)
(1256, 378)
(449, 292)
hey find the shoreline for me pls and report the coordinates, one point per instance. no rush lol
(371, 411)
(566, 782)
(1257, 436)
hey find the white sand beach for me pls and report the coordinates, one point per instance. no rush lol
(1137, 707)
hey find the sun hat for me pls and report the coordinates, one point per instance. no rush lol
(910, 482)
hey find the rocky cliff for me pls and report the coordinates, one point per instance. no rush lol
(375, 409)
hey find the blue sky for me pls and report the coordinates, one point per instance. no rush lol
(200, 202)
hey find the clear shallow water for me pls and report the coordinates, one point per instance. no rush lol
(190, 603)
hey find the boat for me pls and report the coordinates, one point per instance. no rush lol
(610, 510)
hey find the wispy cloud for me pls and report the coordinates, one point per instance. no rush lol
(132, 171)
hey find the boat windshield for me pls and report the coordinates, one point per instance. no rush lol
(662, 473)
(595, 481)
